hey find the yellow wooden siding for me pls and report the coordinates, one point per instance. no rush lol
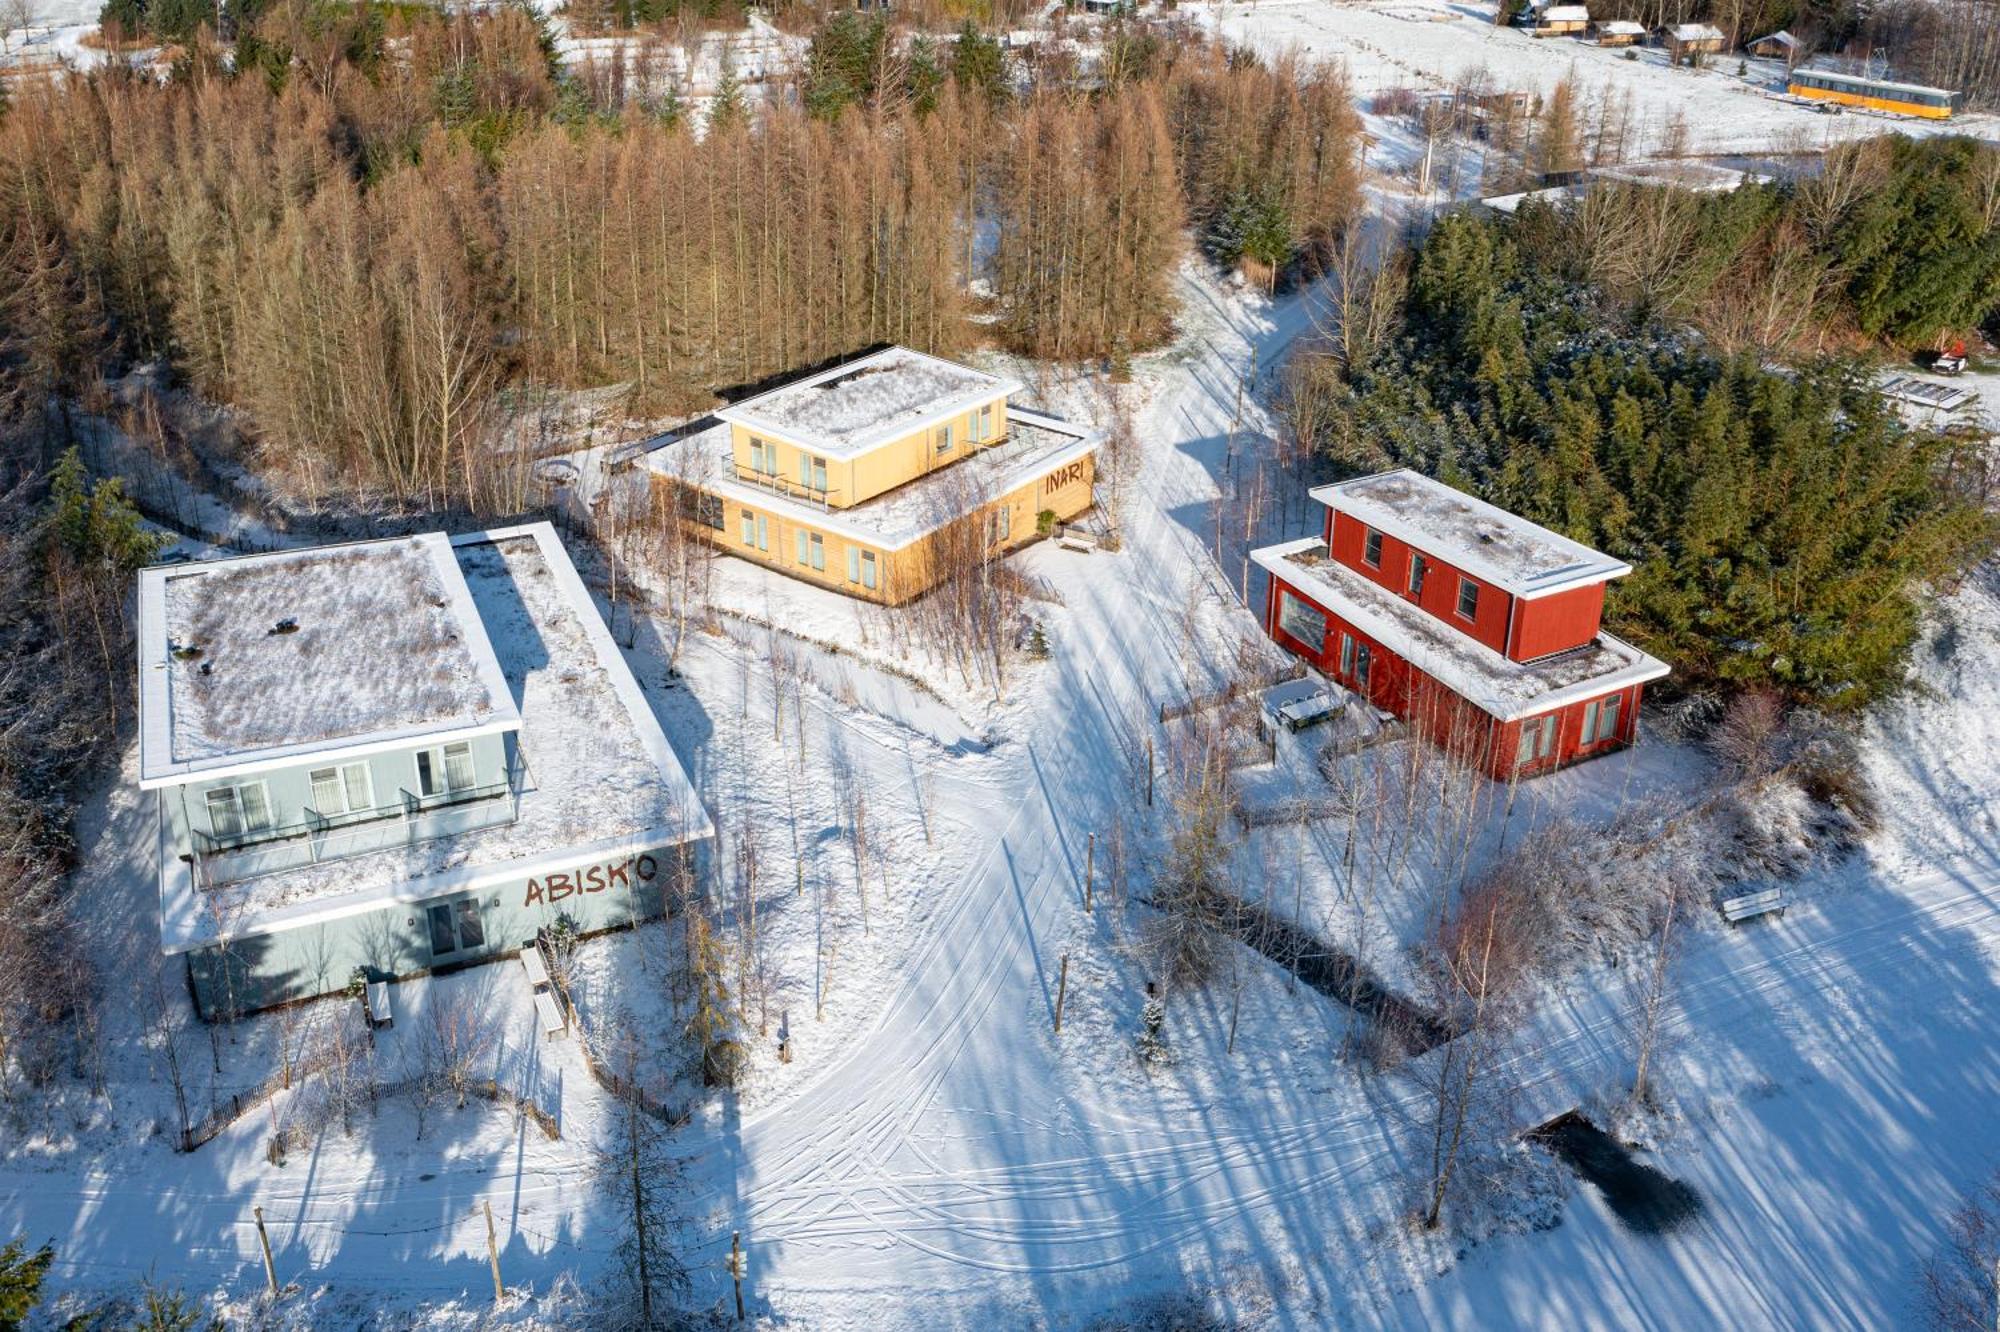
(903, 573)
(1873, 103)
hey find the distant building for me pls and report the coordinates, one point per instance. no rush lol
(1903, 99)
(1477, 626)
(1558, 21)
(391, 757)
(1779, 45)
(1619, 32)
(870, 477)
(1686, 40)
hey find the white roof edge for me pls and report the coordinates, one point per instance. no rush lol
(155, 695)
(297, 756)
(743, 412)
(1594, 566)
(1274, 560)
(177, 922)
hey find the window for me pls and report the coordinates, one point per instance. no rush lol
(1600, 721)
(943, 436)
(868, 568)
(763, 533)
(342, 790)
(1538, 739)
(999, 525)
(1417, 569)
(764, 457)
(1302, 621)
(982, 424)
(853, 564)
(1362, 661)
(236, 810)
(812, 472)
(702, 508)
(441, 772)
(1468, 598)
(1371, 549)
(1347, 654)
(749, 528)
(455, 926)
(812, 550)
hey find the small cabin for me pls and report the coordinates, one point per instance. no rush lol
(1686, 41)
(1559, 21)
(1618, 32)
(1779, 45)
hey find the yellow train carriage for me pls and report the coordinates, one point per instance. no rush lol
(1903, 99)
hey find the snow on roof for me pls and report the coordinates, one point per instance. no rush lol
(256, 661)
(1566, 14)
(1550, 194)
(1686, 173)
(853, 407)
(1505, 688)
(1781, 37)
(601, 780)
(1035, 444)
(1521, 557)
(1926, 393)
(1695, 32)
(1622, 28)
(1883, 85)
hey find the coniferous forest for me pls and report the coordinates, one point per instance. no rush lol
(1673, 377)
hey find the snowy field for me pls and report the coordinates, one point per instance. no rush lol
(1435, 44)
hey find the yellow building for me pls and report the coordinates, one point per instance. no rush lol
(877, 476)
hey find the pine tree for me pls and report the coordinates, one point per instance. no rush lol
(21, 1277)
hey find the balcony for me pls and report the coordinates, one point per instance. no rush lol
(778, 485)
(412, 819)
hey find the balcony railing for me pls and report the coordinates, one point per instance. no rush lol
(411, 820)
(779, 485)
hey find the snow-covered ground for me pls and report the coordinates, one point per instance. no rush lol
(936, 1156)
(1436, 44)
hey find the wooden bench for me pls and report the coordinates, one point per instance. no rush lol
(549, 1009)
(532, 963)
(1736, 910)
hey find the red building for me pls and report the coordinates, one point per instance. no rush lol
(1477, 626)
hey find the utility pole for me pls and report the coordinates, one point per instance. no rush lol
(1089, 871)
(264, 1241)
(493, 1252)
(1062, 991)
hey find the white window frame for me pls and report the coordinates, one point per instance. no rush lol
(1371, 547)
(982, 424)
(749, 528)
(1467, 585)
(942, 438)
(854, 564)
(763, 457)
(1418, 569)
(459, 749)
(868, 569)
(439, 763)
(1000, 526)
(1538, 739)
(1295, 612)
(353, 782)
(1347, 654)
(238, 809)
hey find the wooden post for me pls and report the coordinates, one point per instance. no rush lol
(1062, 991)
(1149, 771)
(736, 1268)
(493, 1252)
(264, 1240)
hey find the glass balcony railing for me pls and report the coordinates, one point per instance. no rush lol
(410, 820)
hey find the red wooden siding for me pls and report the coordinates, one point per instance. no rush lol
(1346, 544)
(1558, 621)
(1444, 716)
